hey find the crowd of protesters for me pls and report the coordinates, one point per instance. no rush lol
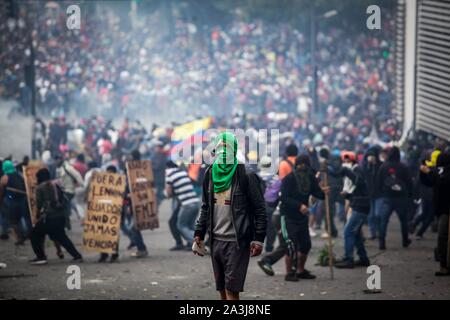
(257, 67)
(365, 185)
(253, 76)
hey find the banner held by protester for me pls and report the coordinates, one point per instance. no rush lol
(143, 200)
(29, 175)
(104, 207)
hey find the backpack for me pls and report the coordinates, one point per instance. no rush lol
(60, 201)
(272, 193)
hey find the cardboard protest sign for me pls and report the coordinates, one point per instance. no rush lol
(29, 176)
(143, 199)
(104, 207)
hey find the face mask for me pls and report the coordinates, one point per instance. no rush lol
(225, 154)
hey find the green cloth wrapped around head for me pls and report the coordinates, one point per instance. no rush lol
(224, 166)
(8, 167)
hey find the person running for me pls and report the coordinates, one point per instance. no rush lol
(180, 186)
(285, 168)
(233, 213)
(52, 207)
(296, 189)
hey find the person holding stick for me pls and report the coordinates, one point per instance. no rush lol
(296, 188)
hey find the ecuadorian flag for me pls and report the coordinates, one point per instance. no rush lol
(187, 134)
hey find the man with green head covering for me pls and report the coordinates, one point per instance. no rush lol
(14, 200)
(233, 214)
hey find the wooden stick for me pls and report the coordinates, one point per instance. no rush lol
(448, 243)
(16, 190)
(327, 210)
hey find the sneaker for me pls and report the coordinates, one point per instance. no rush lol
(344, 264)
(103, 257)
(324, 235)
(305, 275)
(38, 261)
(140, 254)
(291, 277)
(362, 263)
(419, 237)
(406, 243)
(373, 238)
(131, 246)
(77, 260)
(312, 233)
(114, 258)
(442, 272)
(266, 268)
(178, 247)
(60, 255)
(188, 247)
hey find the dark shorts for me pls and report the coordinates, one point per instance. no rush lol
(230, 265)
(298, 232)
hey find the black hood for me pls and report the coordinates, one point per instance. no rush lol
(443, 160)
(394, 155)
(373, 151)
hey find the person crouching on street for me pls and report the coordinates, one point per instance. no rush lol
(233, 212)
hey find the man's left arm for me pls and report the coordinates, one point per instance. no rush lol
(259, 208)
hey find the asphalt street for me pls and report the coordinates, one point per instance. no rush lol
(405, 273)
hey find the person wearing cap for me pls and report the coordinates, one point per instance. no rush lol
(267, 174)
(233, 212)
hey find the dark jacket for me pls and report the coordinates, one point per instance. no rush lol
(45, 200)
(292, 199)
(248, 207)
(393, 167)
(370, 171)
(359, 198)
(439, 179)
